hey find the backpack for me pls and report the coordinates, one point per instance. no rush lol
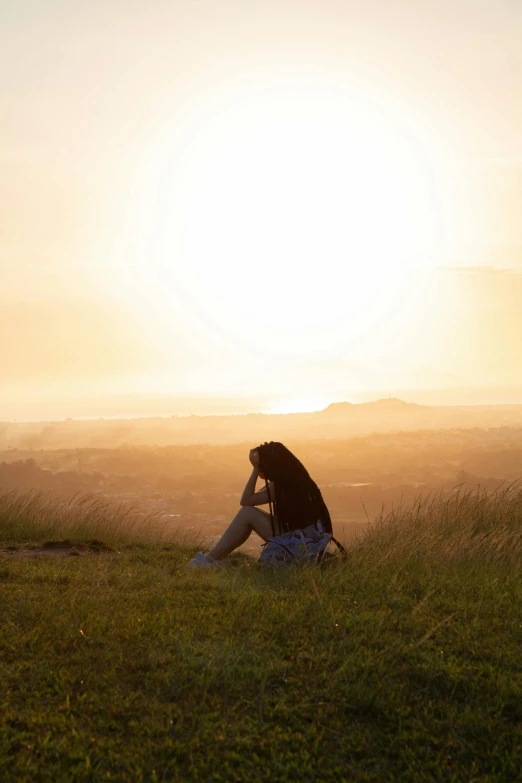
(298, 546)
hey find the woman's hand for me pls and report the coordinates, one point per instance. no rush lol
(254, 458)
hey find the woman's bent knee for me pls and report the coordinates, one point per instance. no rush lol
(250, 511)
(257, 520)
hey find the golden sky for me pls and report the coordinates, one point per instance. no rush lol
(246, 197)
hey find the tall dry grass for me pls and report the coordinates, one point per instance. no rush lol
(460, 524)
(34, 516)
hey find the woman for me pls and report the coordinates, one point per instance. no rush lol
(296, 499)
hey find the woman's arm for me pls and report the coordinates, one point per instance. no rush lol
(251, 498)
(250, 487)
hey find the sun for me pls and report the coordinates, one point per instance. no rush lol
(299, 405)
(286, 209)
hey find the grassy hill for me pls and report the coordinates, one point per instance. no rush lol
(400, 663)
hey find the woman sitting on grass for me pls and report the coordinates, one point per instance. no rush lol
(296, 499)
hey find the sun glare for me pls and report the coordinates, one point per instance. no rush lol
(285, 209)
(300, 405)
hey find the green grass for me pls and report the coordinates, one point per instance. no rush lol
(401, 664)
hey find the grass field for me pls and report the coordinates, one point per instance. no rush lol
(402, 663)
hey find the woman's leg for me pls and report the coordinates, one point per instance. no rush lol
(248, 518)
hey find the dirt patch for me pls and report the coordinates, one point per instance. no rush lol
(58, 549)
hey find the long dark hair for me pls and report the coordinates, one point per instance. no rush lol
(298, 500)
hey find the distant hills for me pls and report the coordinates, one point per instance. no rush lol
(338, 420)
(388, 404)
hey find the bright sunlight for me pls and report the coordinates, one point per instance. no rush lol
(296, 196)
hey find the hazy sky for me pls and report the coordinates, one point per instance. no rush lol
(232, 197)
